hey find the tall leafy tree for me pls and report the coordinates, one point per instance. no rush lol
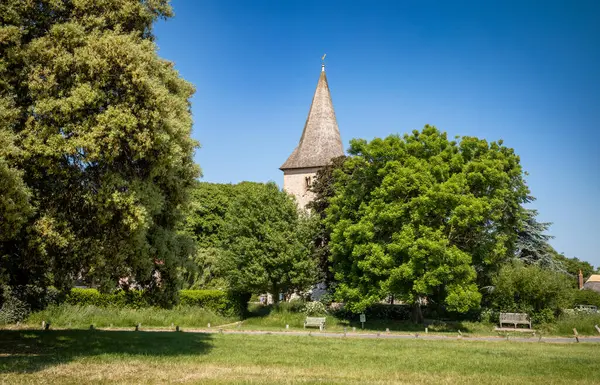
(102, 125)
(205, 218)
(422, 217)
(323, 187)
(532, 245)
(267, 242)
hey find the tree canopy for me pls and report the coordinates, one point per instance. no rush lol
(103, 154)
(421, 216)
(267, 243)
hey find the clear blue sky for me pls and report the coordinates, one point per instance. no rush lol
(527, 72)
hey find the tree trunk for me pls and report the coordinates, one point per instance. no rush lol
(275, 295)
(417, 315)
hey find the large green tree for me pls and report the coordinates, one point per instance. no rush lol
(204, 221)
(267, 242)
(323, 187)
(102, 125)
(422, 217)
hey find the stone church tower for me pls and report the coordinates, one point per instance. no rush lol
(320, 142)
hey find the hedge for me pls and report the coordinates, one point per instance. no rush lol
(214, 300)
(120, 298)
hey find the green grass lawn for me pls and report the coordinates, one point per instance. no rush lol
(84, 356)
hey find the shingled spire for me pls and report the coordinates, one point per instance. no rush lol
(319, 144)
(320, 141)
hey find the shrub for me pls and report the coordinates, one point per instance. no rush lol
(530, 289)
(215, 300)
(120, 298)
(237, 304)
(314, 308)
(295, 306)
(586, 297)
(13, 309)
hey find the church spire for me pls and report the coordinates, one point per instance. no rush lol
(320, 141)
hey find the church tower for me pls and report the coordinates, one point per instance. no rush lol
(320, 142)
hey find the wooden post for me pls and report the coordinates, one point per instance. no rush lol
(597, 328)
(209, 325)
(426, 330)
(387, 330)
(177, 328)
(43, 325)
(137, 327)
(47, 326)
(92, 327)
(576, 335)
(287, 326)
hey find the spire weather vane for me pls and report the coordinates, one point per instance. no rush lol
(323, 62)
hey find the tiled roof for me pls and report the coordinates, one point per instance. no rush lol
(320, 141)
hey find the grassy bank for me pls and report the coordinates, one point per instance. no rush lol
(275, 318)
(73, 316)
(73, 357)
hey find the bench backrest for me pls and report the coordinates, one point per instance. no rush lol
(514, 317)
(317, 320)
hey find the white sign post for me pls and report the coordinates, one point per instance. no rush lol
(363, 319)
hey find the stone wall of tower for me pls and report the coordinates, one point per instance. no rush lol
(296, 182)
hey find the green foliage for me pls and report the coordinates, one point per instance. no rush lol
(532, 245)
(583, 322)
(119, 298)
(324, 190)
(99, 176)
(214, 300)
(204, 221)
(586, 297)
(237, 303)
(420, 216)
(13, 309)
(267, 244)
(573, 265)
(314, 309)
(531, 289)
(79, 316)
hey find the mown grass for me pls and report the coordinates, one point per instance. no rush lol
(73, 316)
(84, 356)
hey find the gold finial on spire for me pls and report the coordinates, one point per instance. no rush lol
(323, 63)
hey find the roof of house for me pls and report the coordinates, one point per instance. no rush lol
(593, 283)
(320, 141)
(593, 278)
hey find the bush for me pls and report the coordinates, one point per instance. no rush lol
(586, 297)
(13, 309)
(314, 309)
(237, 304)
(530, 289)
(120, 298)
(215, 300)
(295, 306)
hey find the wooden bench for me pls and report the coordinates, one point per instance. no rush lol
(315, 321)
(515, 319)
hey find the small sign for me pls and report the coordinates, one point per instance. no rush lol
(363, 318)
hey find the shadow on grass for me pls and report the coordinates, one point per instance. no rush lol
(30, 351)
